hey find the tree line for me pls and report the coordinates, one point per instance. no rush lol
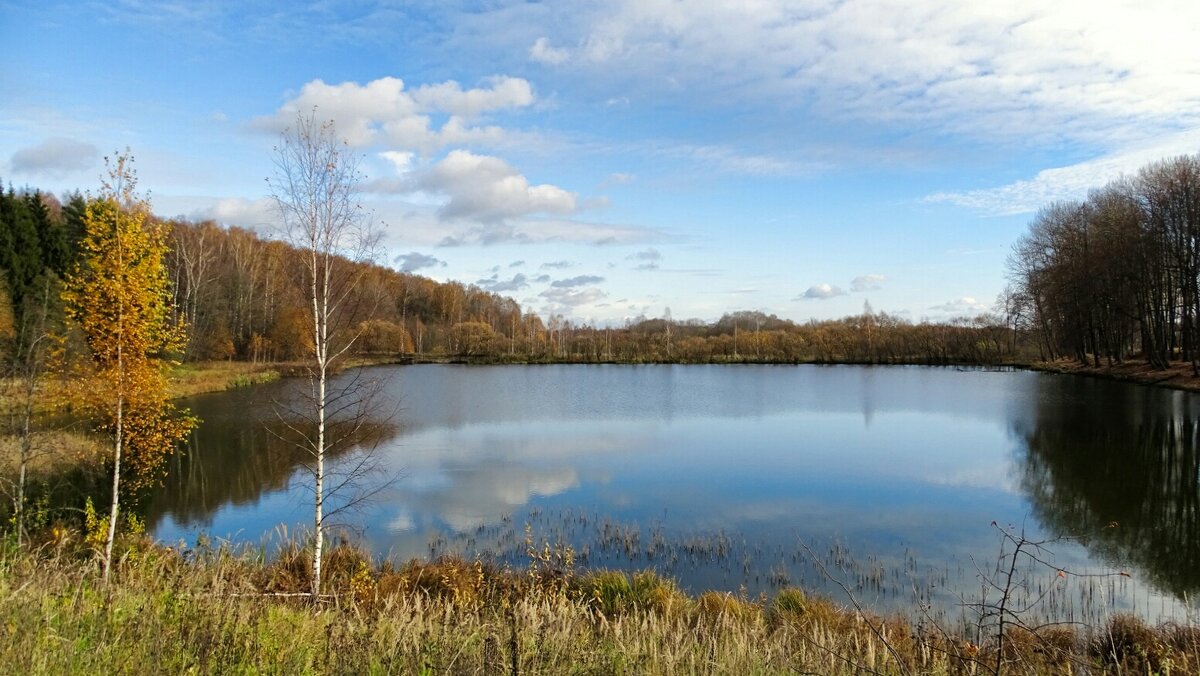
(242, 298)
(1115, 275)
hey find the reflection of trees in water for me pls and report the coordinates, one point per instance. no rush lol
(1134, 461)
(237, 462)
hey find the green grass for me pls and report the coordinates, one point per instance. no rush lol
(212, 611)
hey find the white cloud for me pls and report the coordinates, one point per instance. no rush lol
(55, 157)
(401, 161)
(542, 52)
(1026, 69)
(821, 292)
(1070, 182)
(259, 214)
(487, 189)
(384, 112)
(449, 97)
(966, 305)
(871, 282)
(560, 299)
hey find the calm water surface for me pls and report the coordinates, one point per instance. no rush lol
(717, 475)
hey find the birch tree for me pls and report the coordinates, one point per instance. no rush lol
(314, 188)
(119, 298)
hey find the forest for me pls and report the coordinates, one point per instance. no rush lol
(241, 299)
(1116, 275)
(1113, 277)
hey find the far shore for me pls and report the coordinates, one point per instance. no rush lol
(191, 379)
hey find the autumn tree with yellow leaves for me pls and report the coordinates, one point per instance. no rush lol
(118, 297)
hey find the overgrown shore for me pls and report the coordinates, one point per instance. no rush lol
(1178, 376)
(209, 610)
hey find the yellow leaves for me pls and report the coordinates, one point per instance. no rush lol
(95, 527)
(119, 299)
(119, 294)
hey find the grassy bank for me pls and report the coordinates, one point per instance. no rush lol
(210, 611)
(190, 379)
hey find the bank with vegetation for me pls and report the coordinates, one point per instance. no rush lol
(210, 610)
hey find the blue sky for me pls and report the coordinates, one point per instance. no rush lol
(608, 160)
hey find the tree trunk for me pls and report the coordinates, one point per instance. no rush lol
(116, 489)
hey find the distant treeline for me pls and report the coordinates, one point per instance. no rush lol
(242, 298)
(1118, 274)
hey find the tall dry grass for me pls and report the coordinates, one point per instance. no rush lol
(210, 610)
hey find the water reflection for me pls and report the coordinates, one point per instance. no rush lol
(908, 465)
(1139, 469)
(248, 447)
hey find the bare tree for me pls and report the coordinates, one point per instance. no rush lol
(27, 368)
(192, 258)
(314, 187)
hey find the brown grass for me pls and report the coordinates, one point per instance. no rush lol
(209, 610)
(189, 379)
(52, 451)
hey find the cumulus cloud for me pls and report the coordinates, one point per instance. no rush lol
(581, 280)
(496, 285)
(401, 161)
(516, 264)
(485, 188)
(542, 52)
(55, 157)
(821, 292)
(260, 214)
(556, 265)
(871, 282)
(384, 112)
(449, 97)
(413, 261)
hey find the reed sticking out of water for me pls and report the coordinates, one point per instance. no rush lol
(209, 610)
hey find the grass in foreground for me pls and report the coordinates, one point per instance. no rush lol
(212, 611)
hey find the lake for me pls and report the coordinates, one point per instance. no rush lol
(895, 481)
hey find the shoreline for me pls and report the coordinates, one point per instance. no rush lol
(1176, 377)
(212, 610)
